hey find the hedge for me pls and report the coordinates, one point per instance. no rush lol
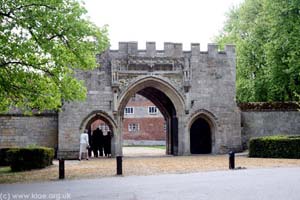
(21, 159)
(275, 147)
(269, 106)
(3, 157)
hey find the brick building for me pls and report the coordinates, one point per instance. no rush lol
(143, 123)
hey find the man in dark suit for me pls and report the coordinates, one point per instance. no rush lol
(101, 142)
(107, 144)
(96, 141)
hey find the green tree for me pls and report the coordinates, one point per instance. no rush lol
(42, 43)
(267, 37)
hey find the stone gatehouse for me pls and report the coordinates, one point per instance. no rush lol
(194, 90)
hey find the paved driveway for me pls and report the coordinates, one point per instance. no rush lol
(256, 184)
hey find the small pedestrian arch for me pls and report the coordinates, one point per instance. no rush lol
(103, 116)
(202, 128)
(98, 114)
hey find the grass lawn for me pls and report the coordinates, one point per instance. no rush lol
(5, 169)
(156, 147)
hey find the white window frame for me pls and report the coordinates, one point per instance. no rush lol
(152, 110)
(133, 127)
(165, 127)
(129, 110)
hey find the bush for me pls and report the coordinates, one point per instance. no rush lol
(21, 159)
(275, 147)
(3, 157)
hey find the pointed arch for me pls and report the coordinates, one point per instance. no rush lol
(98, 114)
(202, 127)
(165, 96)
(154, 82)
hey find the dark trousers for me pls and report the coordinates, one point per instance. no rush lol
(90, 152)
(96, 149)
(101, 150)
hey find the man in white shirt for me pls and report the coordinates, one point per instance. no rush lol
(84, 144)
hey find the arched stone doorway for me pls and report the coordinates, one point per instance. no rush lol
(105, 120)
(200, 137)
(166, 99)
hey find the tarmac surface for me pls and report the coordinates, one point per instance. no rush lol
(256, 184)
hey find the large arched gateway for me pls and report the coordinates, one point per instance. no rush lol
(179, 83)
(166, 99)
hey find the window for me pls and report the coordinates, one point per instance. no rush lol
(103, 127)
(133, 127)
(165, 127)
(129, 110)
(152, 110)
(133, 98)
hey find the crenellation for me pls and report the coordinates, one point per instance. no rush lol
(195, 49)
(132, 48)
(123, 48)
(150, 49)
(212, 50)
(178, 50)
(174, 50)
(168, 49)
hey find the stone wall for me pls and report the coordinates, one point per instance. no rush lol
(213, 92)
(264, 123)
(19, 130)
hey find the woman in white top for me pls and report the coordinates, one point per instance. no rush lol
(84, 144)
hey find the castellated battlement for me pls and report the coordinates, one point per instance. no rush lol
(170, 49)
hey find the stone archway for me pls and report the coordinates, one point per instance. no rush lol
(200, 137)
(168, 101)
(103, 116)
(202, 129)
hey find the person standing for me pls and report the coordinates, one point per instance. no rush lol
(105, 141)
(101, 142)
(96, 141)
(107, 144)
(91, 143)
(84, 144)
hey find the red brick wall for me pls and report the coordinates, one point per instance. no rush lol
(139, 101)
(96, 124)
(149, 129)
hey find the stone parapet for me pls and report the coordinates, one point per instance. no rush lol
(170, 50)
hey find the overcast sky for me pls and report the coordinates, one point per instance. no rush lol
(183, 21)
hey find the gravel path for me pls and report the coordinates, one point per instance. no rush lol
(143, 151)
(103, 167)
